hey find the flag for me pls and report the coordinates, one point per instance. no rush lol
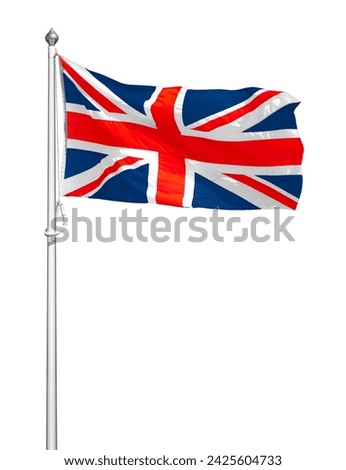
(226, 149)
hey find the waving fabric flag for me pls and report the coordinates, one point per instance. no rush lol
(227, 149)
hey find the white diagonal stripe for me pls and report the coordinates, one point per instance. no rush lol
(233, 132)
(101, 88)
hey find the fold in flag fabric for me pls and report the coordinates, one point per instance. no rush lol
(226, 149)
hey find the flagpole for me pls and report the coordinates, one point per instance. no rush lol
(51, 397)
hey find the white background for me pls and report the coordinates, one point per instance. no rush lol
(177, 348)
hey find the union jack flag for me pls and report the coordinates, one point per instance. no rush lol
(227, 149)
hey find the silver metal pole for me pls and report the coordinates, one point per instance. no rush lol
(51, 416)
